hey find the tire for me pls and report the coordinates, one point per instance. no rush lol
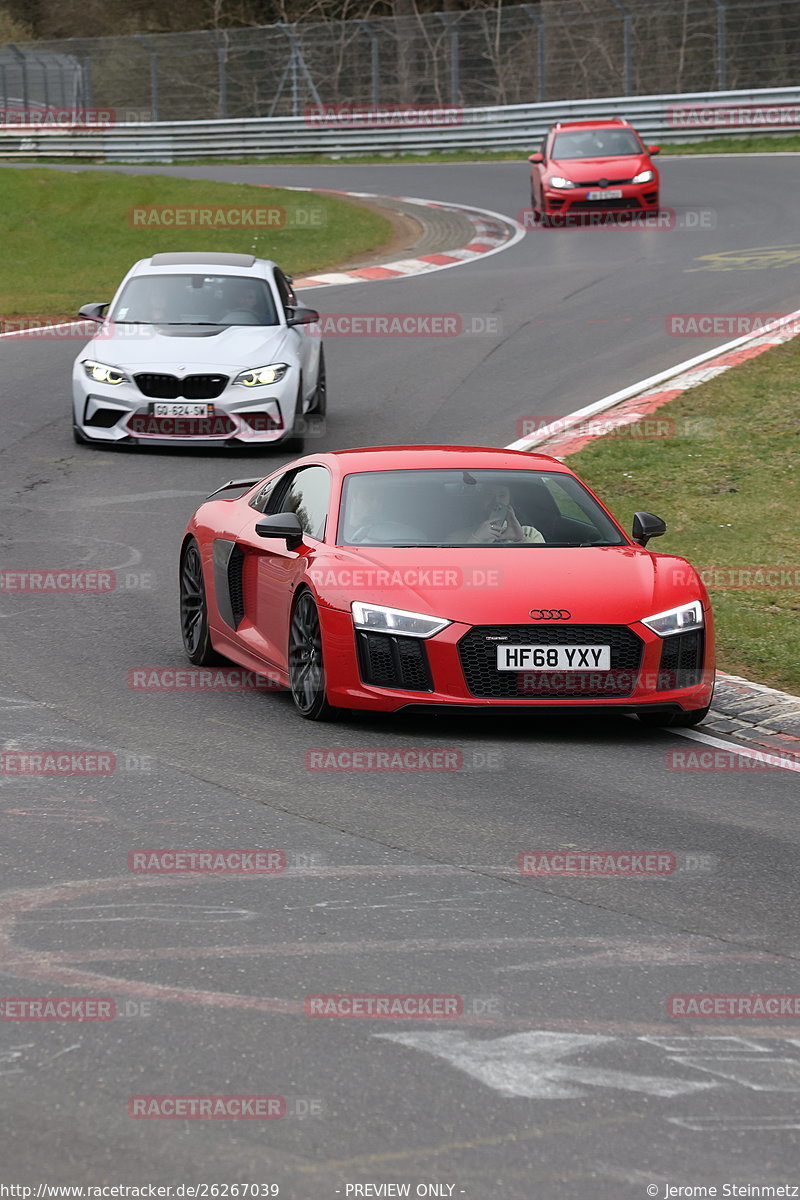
(194, 609)
(293, 442)
(320, 402)
(306, 666)
(667, 720)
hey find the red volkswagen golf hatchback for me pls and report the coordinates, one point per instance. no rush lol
(589, 167)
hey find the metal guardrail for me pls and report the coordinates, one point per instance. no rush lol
(512, 126)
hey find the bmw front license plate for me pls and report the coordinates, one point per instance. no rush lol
(554, 658)
(608, 194)
(179, 408)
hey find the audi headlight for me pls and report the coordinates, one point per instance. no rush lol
(676, 620)
(257, 376)
(644, 177)
(102, 373)
(395, 620)
(558, 181)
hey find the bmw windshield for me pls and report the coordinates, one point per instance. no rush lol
(195, 300)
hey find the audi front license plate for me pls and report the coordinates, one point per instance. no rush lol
(554, 658)
(181, 409)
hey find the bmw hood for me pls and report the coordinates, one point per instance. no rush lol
(188, 348)
(499, 585)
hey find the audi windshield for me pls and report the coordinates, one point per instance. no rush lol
(472, 508)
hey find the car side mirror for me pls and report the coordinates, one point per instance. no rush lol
(653, 149)
(302, 316)
(646, 526)
(535, 158)
(281, 525)
(93, 312)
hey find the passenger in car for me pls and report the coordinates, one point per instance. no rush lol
(499, 522)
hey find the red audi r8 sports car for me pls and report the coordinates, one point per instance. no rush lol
(419, 576)
(585, 168)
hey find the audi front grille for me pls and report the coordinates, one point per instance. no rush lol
(477, 651)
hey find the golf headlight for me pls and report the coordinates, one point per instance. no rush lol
(558, 181)
(644, 177)
(395, 620)
(676, 620)
(257, 376)
(102, 373)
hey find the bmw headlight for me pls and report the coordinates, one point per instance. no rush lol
(102, 373)
(644, 177)
(558, 181)
(676, 620)
(395, 620)
(258, 376)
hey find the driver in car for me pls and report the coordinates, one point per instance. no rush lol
(500, 522)
(247, 306)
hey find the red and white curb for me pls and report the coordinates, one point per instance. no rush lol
(492, 232)
(573, 432)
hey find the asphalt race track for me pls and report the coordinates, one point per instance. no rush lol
(564, 1076)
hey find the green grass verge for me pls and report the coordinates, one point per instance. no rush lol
(68, 238)
(730, 494)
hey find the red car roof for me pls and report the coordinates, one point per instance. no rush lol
(607, 123)
(376, 458)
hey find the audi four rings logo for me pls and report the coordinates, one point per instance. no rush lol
(550, 614)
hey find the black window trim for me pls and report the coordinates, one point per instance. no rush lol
(277, 497)
(271, 483)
